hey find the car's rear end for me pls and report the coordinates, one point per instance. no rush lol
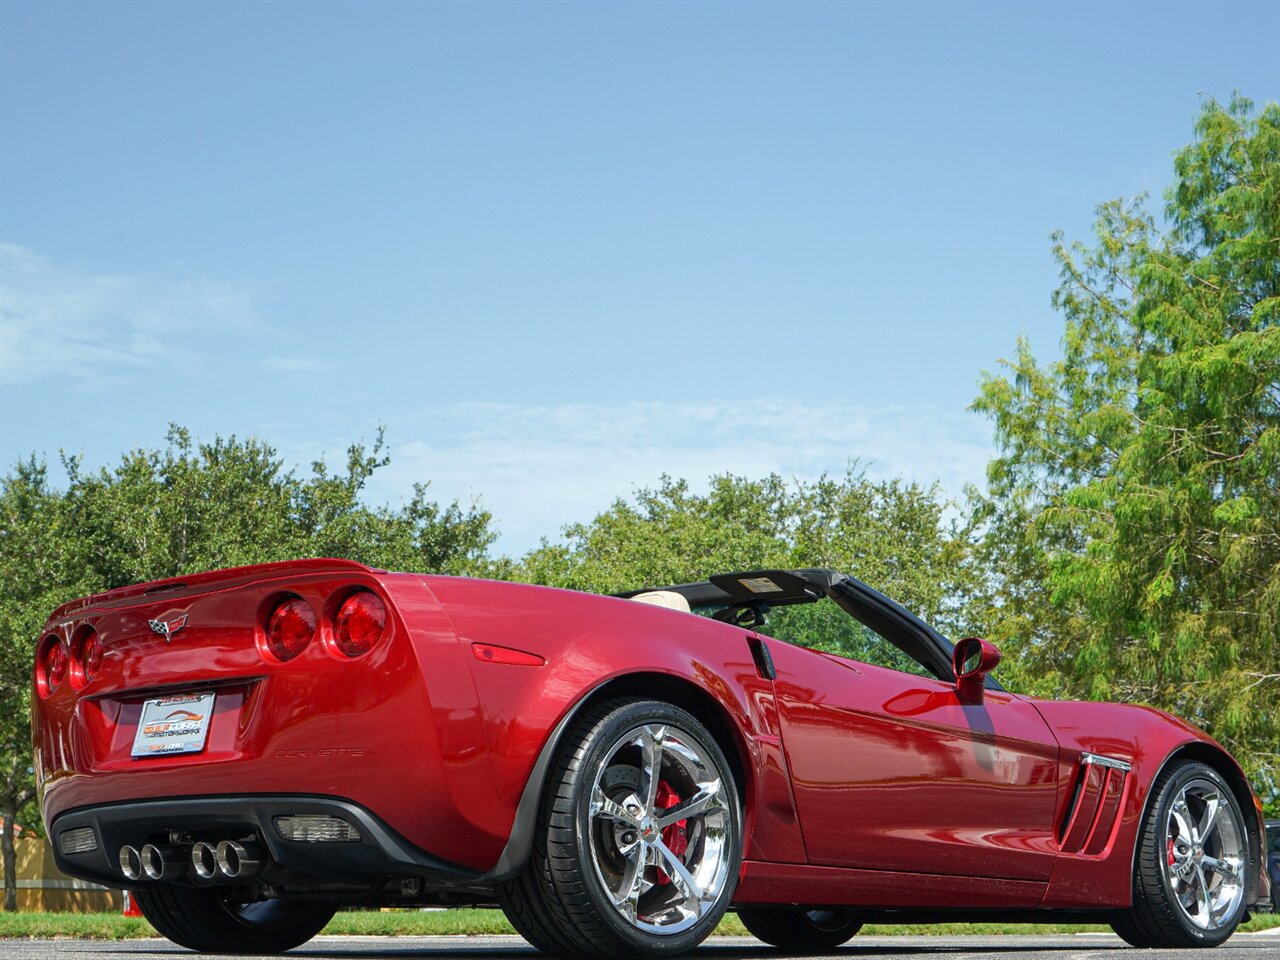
(269, 729)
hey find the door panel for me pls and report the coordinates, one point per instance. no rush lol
(892, 772)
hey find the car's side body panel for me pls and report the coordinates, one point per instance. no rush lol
(837, 886)
(878, 756)
(588, 641)
(1098, 873)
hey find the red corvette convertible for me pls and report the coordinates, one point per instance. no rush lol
(249, 749)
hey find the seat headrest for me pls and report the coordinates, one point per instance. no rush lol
(664, 598)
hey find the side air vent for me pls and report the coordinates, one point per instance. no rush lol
(763, 658)
(1096, 800)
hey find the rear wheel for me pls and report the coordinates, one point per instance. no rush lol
(638, 841)
(795, 928)
(207, 920)
(1189, 869)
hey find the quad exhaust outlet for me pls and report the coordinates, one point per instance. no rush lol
(236, 859)
(209, 862)
(162, 862)
(204, 861)
(130, 863)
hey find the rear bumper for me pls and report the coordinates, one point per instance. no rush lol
(380, 852)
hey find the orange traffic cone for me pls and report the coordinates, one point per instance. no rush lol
(131, 908)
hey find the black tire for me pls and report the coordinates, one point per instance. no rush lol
(562, 903)
(800, 929)
(1158, 917)
(206, 920)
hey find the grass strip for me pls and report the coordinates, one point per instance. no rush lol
(73, 926)
(472, 922)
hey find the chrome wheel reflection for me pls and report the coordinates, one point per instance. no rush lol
(661, 828)
(1204, 855)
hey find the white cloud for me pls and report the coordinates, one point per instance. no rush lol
(540, 467)
(102, 328)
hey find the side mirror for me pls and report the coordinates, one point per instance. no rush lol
(972, 659)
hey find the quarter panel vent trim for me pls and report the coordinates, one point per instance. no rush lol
(1100, 787)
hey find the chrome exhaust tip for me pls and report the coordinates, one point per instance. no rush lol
(162, 863)
(236, 859)
(130, 863)
(204, 860)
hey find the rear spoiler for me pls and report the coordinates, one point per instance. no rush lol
(202, 582)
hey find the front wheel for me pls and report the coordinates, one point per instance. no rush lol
(638, 841)
(795, 928)
(1189, 869)
(207, 920)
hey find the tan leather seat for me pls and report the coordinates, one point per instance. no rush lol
(664, 598)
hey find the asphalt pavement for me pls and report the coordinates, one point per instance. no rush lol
(1082, 946)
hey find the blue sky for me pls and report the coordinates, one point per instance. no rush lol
(561, 249)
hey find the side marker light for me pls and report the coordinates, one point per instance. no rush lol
(488, 653)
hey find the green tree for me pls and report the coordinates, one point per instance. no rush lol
(1135, 505)
(201, 506)
(38, 571)
(889, 534)
(331, 520)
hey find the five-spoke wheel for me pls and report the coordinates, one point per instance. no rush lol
(1206, 855)
(639, 842)
(1189, 872)
(660, 828)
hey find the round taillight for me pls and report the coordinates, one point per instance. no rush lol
(360, 622)
(90, 657)
(55, 665)
(290, 629)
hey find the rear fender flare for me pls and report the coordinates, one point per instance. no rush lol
(520, 842)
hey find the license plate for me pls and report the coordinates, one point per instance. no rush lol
(178, 724)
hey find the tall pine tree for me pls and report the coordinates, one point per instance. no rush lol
(1135, 503)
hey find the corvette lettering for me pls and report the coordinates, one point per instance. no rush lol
(319, 753)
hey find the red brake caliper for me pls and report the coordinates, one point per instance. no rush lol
(1172, 860)
(674, 836)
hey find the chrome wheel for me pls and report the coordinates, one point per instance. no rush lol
(1205, 855)
(637, 845)
(660, 825)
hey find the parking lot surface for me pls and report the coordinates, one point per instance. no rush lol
(1086, 946)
